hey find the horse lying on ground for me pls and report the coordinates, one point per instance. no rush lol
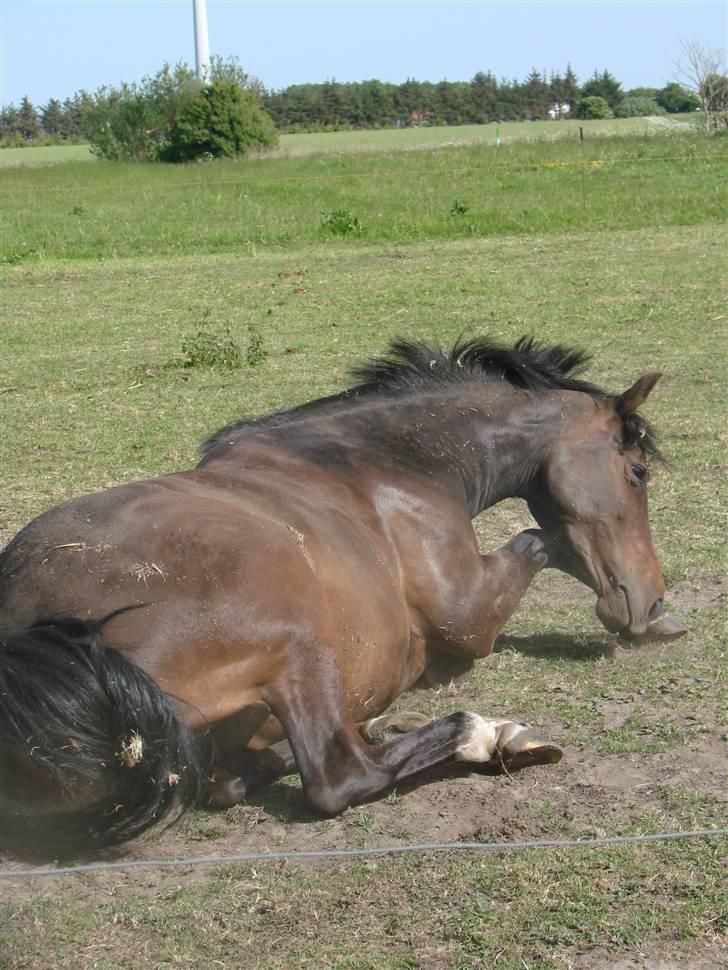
(189, 638)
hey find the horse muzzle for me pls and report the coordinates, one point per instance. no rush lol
(618, 613)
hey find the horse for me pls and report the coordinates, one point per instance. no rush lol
(186, 639)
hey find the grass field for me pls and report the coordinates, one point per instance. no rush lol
(110, 210)
(403, 139)
(626, 257)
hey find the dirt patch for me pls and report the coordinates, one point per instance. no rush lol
(701, 593)
(584, 796)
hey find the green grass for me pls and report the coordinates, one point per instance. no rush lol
(89, 399)
(524, 908)
(96, 309)
(110, 210)
(403, 139)
(42, 156)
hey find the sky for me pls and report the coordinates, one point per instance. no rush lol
(53, 48)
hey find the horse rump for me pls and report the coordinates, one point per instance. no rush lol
(92, 751)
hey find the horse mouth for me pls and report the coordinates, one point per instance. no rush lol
(615, 614)
(615, 611)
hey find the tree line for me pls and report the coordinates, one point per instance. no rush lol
(483, 99)
(334, 105)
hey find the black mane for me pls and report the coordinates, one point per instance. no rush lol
(409, 365)
(527, 365)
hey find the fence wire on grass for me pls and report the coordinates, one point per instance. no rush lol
(330, 854)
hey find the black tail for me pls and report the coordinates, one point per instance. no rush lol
(92, 751)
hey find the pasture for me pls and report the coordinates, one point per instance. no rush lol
(618, 246)
(403, 139)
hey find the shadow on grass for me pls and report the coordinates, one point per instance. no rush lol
(287, 803)
(563, 646)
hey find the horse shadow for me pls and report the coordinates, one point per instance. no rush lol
(559, 646)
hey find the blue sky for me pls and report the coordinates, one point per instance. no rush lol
(52, 48)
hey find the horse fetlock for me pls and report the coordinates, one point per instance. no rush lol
(479, 739)
(326, 800)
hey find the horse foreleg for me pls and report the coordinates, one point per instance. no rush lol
(506, 575)
(489, 595)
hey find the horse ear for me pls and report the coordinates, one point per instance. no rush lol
(635, 397)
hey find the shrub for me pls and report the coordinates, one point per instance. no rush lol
(634, 107)
(133, 121)
(209, 348)
(593, 107)
(221, 120)
(341, 222)
(677, 100)
(255, 352)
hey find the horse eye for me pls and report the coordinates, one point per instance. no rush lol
(640, 473)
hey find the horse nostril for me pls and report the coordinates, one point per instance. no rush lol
(655, 611)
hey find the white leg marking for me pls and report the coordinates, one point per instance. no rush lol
(479, 740)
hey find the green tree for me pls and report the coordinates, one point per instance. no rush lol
(28, 126)
(676, 99)
(593, 107)
(51, 118)
(603, 85)
(9, 123)
(535, 95)
(483, 98)
(642, 93)
(221, 120)
(571, 90)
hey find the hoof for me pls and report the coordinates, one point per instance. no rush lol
(224, 792)
(382, 729)
(521, 746)
(666, 627)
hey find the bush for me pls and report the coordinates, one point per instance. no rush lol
(133, 121)
(221, 120)
(635, 107)
(341, 222)
(593, 107)
(209, 348)
(675, 99)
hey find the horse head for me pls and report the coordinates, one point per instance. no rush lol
(590, 497)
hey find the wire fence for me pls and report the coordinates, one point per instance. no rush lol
(338, 854)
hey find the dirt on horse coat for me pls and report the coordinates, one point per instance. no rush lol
(264, 609)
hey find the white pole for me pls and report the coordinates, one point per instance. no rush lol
(202, 43)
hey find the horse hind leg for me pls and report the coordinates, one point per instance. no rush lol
(337, 766)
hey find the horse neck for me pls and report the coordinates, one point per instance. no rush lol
(479, 442)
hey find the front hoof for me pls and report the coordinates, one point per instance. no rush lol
(521, 746)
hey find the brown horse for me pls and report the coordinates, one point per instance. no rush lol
(263, 610)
